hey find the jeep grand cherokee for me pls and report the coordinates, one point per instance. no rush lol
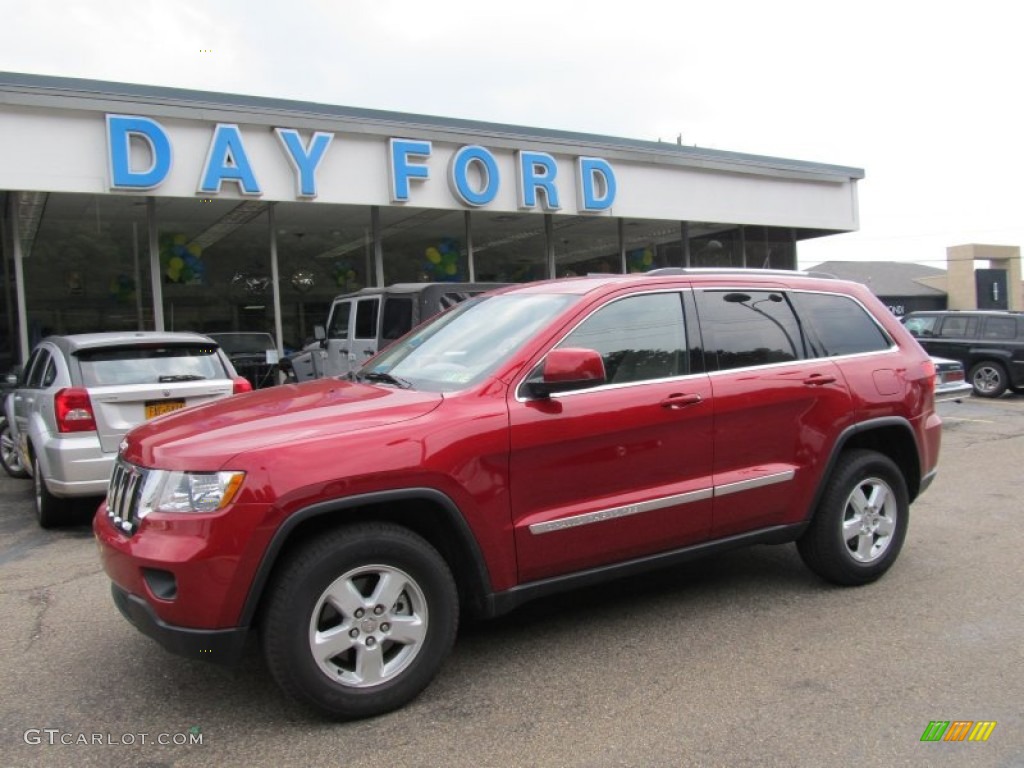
(526, 441)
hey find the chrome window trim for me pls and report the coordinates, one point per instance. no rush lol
(614, 513)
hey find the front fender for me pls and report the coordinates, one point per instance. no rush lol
(465, 539)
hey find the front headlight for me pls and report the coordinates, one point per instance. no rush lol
(165, 491)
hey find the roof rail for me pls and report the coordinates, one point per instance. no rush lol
(734, 271)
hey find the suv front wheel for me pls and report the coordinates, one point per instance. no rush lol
(860, 524)
(988, 379)
(359, 621)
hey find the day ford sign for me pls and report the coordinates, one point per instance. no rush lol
(472, 173)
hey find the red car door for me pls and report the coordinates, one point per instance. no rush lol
(777, 408)
(621, 469)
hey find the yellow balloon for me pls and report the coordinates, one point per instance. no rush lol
(176, 263)
(195, 249)
(433, 255)
(179, 239)
(450, 269)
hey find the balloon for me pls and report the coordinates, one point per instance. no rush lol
(433, 255)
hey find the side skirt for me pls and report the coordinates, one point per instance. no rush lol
(498, 603)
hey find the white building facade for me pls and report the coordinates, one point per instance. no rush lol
(128, 206)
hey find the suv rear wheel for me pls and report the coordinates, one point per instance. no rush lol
(988, 379)
(359, 621)
(860, 524)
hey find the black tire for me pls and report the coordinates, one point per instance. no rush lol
(354, 562)
(848, 545)
(9, 458)
(51, 511)
(988, 379)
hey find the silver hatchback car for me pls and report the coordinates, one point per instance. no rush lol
(79, 395)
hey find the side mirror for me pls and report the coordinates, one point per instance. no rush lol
(319, 334)
(11, 379)
(567, 369)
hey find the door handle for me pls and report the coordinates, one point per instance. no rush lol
(368, 351)
(817, 380)
(676, 401)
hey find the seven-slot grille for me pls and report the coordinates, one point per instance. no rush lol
(123, 496)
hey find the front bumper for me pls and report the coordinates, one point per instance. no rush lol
(221, 646)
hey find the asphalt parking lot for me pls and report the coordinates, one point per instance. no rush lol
(744, 659)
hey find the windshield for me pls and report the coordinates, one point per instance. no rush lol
(460, 347)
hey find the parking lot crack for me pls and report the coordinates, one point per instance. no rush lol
(40, 598)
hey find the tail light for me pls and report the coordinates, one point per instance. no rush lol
(74, 410)
(241, 384)
(928, 369)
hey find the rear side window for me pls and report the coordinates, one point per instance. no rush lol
(149, 365)
(959, 328)
(366, 318)
(999, 328)
(35, 368)
(749, 328)
(840, 325)
(397, 317)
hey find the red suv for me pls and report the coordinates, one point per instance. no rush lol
(525, 442)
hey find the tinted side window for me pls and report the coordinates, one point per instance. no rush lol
(397, 317)
(338, 328)
(959, 327)
(640, 338)
(30, 366)
(50, 373)
(40, 361)
(999, 328)
(748, 328)
(840, 324)
(366, 318)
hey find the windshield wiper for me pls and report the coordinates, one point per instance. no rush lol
(386, 378)
(181, 377)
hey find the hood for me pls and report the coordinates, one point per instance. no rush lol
(206, 436)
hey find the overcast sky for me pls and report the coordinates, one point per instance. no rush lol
(924, 96)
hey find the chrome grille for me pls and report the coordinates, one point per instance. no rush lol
(123, 496)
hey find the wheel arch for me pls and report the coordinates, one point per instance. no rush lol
(890, 436)
(425, 511)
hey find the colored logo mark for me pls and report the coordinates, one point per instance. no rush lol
(958, 730)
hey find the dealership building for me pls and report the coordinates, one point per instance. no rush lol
(134, 207)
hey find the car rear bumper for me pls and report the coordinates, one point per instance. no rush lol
(76, 466)
(953, 391)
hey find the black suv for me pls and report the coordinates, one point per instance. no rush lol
(990, 344)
